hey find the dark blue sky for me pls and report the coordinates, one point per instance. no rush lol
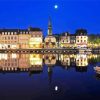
(70, 15)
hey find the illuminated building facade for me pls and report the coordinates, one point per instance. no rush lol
(9, 39)
(36, 40)
(24, 37)
(81, 38)
(65, 40)
(21, 38)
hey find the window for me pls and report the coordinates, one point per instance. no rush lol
(15, 38)
(8, 38)
(12, 38)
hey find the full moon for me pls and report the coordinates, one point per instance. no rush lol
(55, 6)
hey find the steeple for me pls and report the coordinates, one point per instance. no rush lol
(49, 27)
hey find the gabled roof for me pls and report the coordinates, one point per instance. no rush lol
(65, 34)
(20, 30)
(8, 30)
(80, 32)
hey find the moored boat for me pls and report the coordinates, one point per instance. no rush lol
(97, 69)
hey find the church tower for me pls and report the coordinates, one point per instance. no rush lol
(49, 27)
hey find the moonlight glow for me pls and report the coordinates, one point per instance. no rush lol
(55, 6)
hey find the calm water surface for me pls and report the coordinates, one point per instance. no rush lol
(49, 77)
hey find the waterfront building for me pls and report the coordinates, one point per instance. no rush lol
(65, 40)
(36, 40)
(24, 37)
(9, 39)
(50, 40)
(30, 38)
(81, 38)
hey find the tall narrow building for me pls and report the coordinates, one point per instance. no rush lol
(49, 27)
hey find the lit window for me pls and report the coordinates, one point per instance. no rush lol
(2, 33)
(12, 33)
(8, 33)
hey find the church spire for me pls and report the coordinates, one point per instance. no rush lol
(49, 27)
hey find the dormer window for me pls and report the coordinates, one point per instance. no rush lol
(2, 33)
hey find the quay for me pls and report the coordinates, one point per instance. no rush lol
(39, 50)
(55, 50)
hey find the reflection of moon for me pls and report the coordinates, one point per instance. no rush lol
(55, 6)
(56, 88)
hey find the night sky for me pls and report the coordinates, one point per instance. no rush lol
(70, 14)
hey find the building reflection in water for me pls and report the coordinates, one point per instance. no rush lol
(35, 62)
(81, 63)
(21, 62)
(9, 62)
(50, 61)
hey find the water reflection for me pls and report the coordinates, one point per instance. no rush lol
(35, 62)
(60, 75)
